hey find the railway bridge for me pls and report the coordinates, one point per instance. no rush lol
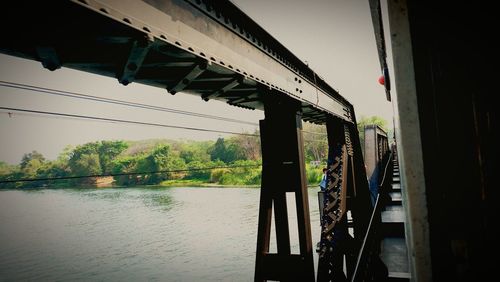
(215, 51)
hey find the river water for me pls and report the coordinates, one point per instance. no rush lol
(135, 234)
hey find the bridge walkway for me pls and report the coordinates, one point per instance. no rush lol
(393, 245)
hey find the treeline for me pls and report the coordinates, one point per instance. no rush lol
(163, 162)
(136, 163)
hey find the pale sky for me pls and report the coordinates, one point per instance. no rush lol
(335, 37)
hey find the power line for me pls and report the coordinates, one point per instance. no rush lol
(122, 174)
(115, 101)
(64, 115)
(76, 95)
(122, 121)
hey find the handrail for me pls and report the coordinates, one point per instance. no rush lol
(376, 209)
(385, 170)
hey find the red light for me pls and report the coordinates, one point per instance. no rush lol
(381, 80)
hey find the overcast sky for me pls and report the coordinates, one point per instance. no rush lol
(335, 37)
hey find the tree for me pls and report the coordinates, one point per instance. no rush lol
(196, 170)
(5, 168)
(86, 164)
(27, 158)
(195, 151)
(218, 150)
(226, 153)
(127, 164)
(162, 159)
(108, 150)
(249, 146)
(315, 142)
(105, 151)
(9, 172)
(31, 163)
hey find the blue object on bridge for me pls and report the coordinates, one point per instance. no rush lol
(322, 184)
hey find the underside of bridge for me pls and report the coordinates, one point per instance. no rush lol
(208, 49)
(213, 50)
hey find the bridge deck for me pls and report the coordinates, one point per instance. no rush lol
(207, 48)
(394, 252)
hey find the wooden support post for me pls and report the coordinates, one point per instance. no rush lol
(283, 171)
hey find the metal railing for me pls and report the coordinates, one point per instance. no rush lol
(369, 266)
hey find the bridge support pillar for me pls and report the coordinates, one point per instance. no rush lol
(347, 190)
(283, 171)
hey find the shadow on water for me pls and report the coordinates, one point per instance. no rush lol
(159, 198)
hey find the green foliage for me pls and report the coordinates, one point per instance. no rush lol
(124, 165)
(246, 172)
(227, 152)
(313, 174)
(9, 172)
(133, 163)
(371, 120)
(107, 151)
(217, 174)
(34, 158)
(86, 164)
(163, 159)
(196, 173)
(30, 166)
(5, 168)
(315, 142)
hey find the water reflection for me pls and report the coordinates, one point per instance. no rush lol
(133, 234)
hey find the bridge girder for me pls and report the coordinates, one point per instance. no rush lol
(206, 48)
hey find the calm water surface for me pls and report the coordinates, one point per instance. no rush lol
(134, 234)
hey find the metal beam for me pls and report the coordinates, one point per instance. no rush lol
(232, 84)
(138, 52)
(170, 63)
(188, 78)
(334, 233)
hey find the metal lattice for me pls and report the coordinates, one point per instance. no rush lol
(333, 212)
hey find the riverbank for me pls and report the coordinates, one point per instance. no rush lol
(164, 184)
(198, 183)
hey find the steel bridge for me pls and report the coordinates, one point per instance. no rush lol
(214, 50)
(209, 48)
